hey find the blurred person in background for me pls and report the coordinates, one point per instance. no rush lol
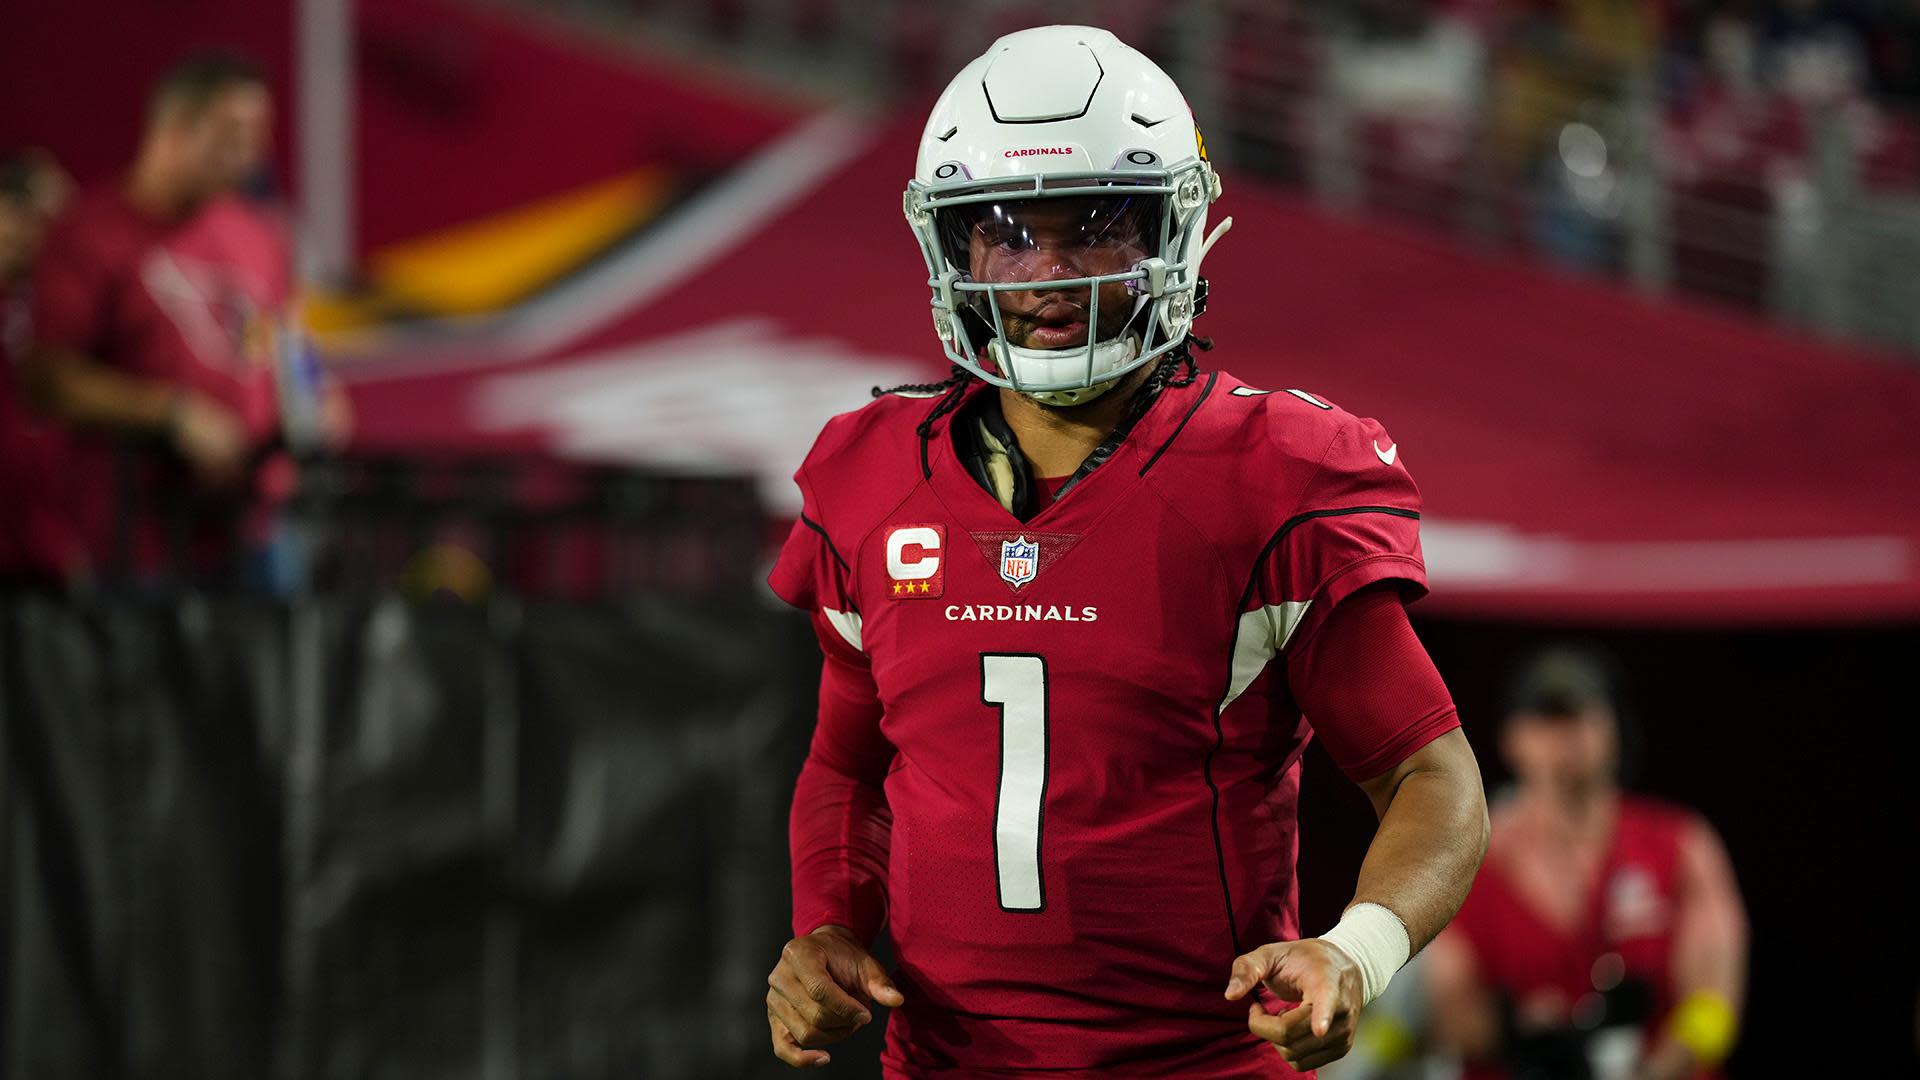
(161, 323)
(1605, 935)
(34, 526)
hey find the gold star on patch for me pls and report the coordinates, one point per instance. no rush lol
(896, 588)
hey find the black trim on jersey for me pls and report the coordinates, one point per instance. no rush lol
(1046, 755)
(956, 391)
(1212, 377)
(1112, 443)
(1287, 526)
(1233, 644)
(815, 526)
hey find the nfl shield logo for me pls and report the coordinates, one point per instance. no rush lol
(1019, 561)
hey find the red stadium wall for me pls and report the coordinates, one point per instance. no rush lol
(464, 112)
(74, 75)
(460, 111)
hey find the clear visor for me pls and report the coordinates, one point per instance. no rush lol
(1054, 272)
(1047, 239)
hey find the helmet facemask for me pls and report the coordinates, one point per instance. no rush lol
(1058, 285)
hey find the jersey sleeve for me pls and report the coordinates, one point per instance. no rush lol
(841, 827)
(1357, 524)
(810, 572)
(1368, 687)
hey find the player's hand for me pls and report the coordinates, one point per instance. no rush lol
(822, 991)
(1326, 983)
(210, 437)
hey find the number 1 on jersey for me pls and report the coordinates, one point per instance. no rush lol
(1018, 684)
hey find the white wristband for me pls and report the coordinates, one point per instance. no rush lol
(1377, 941)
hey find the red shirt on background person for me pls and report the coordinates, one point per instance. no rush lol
(192, 305)
(157, 310)
(1604, 936)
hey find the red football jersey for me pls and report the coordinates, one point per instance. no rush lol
(1627, 933)
(1091, 765)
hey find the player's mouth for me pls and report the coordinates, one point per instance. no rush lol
(1058, 336)
(1057, 327)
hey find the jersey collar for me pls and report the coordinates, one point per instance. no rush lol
(1108, 473)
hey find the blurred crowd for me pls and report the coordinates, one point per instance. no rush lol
(1560, 126)
(1730, 149)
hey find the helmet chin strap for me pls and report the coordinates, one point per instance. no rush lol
(1107, 356)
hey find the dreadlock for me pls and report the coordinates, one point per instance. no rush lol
(958, 376)
(1175, 369)
(952, 389)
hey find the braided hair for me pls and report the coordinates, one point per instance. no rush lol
(951, 389)
(1174, 369)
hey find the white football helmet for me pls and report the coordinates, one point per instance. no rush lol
(1060, 165)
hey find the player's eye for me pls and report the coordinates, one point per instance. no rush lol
(1007, 239)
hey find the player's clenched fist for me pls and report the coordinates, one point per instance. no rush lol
(1327, 984)
(822, 991)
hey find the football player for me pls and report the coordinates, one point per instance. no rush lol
(1082, 606)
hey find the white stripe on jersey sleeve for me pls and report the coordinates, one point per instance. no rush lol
(1263, 632)
(847, 622)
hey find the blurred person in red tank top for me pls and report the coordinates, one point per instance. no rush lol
(161, 306)
(1604, 937)
(35, 528)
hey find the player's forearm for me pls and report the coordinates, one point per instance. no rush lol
(1709, 962)
(1710, 929)
(839, 833)
(1710, 958)
(79, 392)
(1432, 836)
(841, 825)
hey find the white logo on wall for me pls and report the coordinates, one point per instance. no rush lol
(738, 397)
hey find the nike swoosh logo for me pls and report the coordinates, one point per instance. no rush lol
(1386, 456)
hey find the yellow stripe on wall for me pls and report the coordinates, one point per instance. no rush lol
(490, 263)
